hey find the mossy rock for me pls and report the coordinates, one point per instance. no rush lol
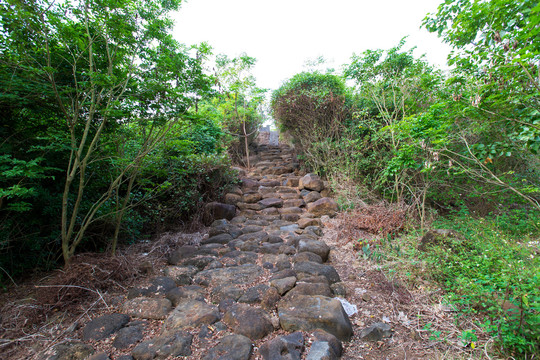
(444, 238)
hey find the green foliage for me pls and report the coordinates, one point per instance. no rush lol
(314, 109)
(202, 134)
(187, 183)
(16, 176)
(237, 105)
(496, 273)
(496, 88)
(89, 92)
(490, 270)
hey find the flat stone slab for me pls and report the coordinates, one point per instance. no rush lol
(311, 182)
(104, 326)
(148, 308)
(128, 336)
(251, 197)
(248, 229)
(312, 196)
(307, 256)
(335, 344)
(191, 313)
(283, 285)
(303, 288)
(289, 347)
(294, 203)
(324, 206)
(321, 350)
(158, 287)
(169, 344)
(251, 322)
(231, 347)
(71, 350)
(271, 202)
(218, 239)
(182, 275)
(305, 222)
(309, 268)
(290, 210)
(254, 294)
(231, 275)
(376, 332)
(314, 246)
(193, 292)
(99, 356)
(307, 313)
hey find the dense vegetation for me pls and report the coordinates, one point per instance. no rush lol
(458, 150)
(111, 130)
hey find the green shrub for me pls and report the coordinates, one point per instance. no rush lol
(495, 272)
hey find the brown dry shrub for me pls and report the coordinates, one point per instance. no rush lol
(381, 219)
(87, 276)
(28, 311)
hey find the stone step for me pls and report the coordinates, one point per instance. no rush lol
(258, 272)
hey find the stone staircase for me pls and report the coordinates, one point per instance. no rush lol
(258, 286)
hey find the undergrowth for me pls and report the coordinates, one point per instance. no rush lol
(491, 272)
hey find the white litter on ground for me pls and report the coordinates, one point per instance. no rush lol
(349, 308)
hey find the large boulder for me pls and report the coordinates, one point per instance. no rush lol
(191, 313)
(231, 347)
(311, 182)
(215, 211)
(308, 268)
(148, 308)
(173, 344)
(102, 327)
(70, 350)
(376, 332)
(248, 321)
(308, 313)
(271, 202)
(439, 237)
(312, 196)
(287, 347)
(314, 246)
(231, 275)
(324, 206)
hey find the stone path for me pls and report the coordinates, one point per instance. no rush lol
(257, 286)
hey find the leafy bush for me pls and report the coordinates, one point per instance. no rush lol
(495, 273)
(315, 110)
(186, 183)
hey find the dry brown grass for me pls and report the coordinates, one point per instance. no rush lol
(381, 219)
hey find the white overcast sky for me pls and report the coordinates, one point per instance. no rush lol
(283, 34)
